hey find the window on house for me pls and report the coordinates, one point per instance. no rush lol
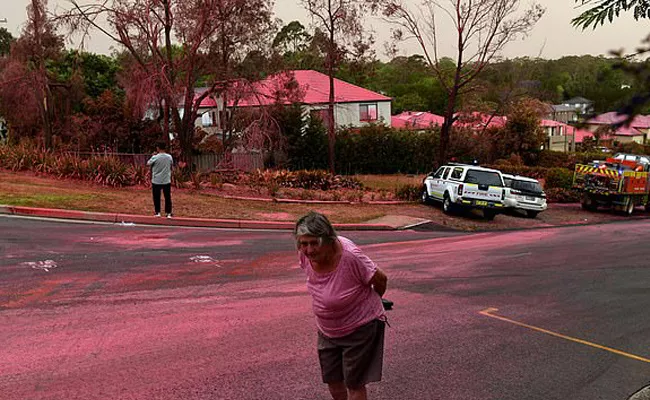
(368, 112)
(206, 119)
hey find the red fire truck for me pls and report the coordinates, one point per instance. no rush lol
(620, 182)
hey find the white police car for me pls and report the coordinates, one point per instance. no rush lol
(465, 186)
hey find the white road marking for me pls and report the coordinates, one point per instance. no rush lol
(205, 260)
(46, 265)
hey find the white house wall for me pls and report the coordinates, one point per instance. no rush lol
(384, 111)
(347, 114)
(629, 139)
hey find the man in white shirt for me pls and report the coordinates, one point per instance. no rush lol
(161, 178)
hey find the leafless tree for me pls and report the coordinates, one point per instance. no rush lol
(482, 28)
(174, 45)
(341, 22)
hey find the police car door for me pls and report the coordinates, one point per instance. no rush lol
(435, 184)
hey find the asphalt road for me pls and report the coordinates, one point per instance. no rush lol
(129, 312)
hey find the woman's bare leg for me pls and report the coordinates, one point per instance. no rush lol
(358, 393)
(338, 391)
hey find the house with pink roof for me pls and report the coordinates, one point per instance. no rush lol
(637, 131)
(479, 120)
(416, 120)
(559, 136)
(580, 135)
(354, 106)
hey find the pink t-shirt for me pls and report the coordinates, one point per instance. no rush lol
(343, 299)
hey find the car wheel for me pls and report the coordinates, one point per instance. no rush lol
(588, 204)
(426, 199)
(532, 214)
(489, 214)
(447, 205)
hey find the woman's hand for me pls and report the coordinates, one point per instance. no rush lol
(379, 281)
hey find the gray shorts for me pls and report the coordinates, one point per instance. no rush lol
(355, 359)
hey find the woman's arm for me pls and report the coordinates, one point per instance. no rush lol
(379, 282)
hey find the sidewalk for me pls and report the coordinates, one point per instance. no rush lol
(387, 223)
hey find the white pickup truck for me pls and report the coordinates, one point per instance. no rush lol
(469, 186)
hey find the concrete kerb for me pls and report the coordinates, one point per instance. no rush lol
(6, 209)
(176, 221)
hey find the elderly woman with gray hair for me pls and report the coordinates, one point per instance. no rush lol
(346, 289)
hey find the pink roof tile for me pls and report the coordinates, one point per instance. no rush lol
(479, 120)
(607, 118)
(416, 120)
(612, 117)
(207, 102)
(314, 87)
(641, 121)
(627, 131)
(551, 123)
(580, 134)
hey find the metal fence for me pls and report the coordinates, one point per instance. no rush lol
(202, 163)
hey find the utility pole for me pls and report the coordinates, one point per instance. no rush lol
(4, 129)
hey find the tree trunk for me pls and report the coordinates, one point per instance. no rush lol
(44, 109)
(166, 123)
(185, 139)
(331, 129)
(445, 131)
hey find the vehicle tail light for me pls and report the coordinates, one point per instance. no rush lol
(512, 191)
(460, 189)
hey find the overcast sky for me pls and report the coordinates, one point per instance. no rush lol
(552, 37)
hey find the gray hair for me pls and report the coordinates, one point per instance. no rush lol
(317, 225)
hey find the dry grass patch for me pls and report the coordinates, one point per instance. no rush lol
(26, 189)
(389, 182)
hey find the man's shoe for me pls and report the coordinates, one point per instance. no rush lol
(169, 216)
(157, 215)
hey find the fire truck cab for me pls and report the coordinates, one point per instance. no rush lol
(620, 182)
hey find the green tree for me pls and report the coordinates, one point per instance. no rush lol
(96, 73)
(411, 84)
(6, 39)
(292, 38)
(600, 11)
(306, 140)
(523, 134)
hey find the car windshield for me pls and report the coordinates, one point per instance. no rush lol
(526, 186)
(483, 178)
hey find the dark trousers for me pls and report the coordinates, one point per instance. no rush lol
(167, 191)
